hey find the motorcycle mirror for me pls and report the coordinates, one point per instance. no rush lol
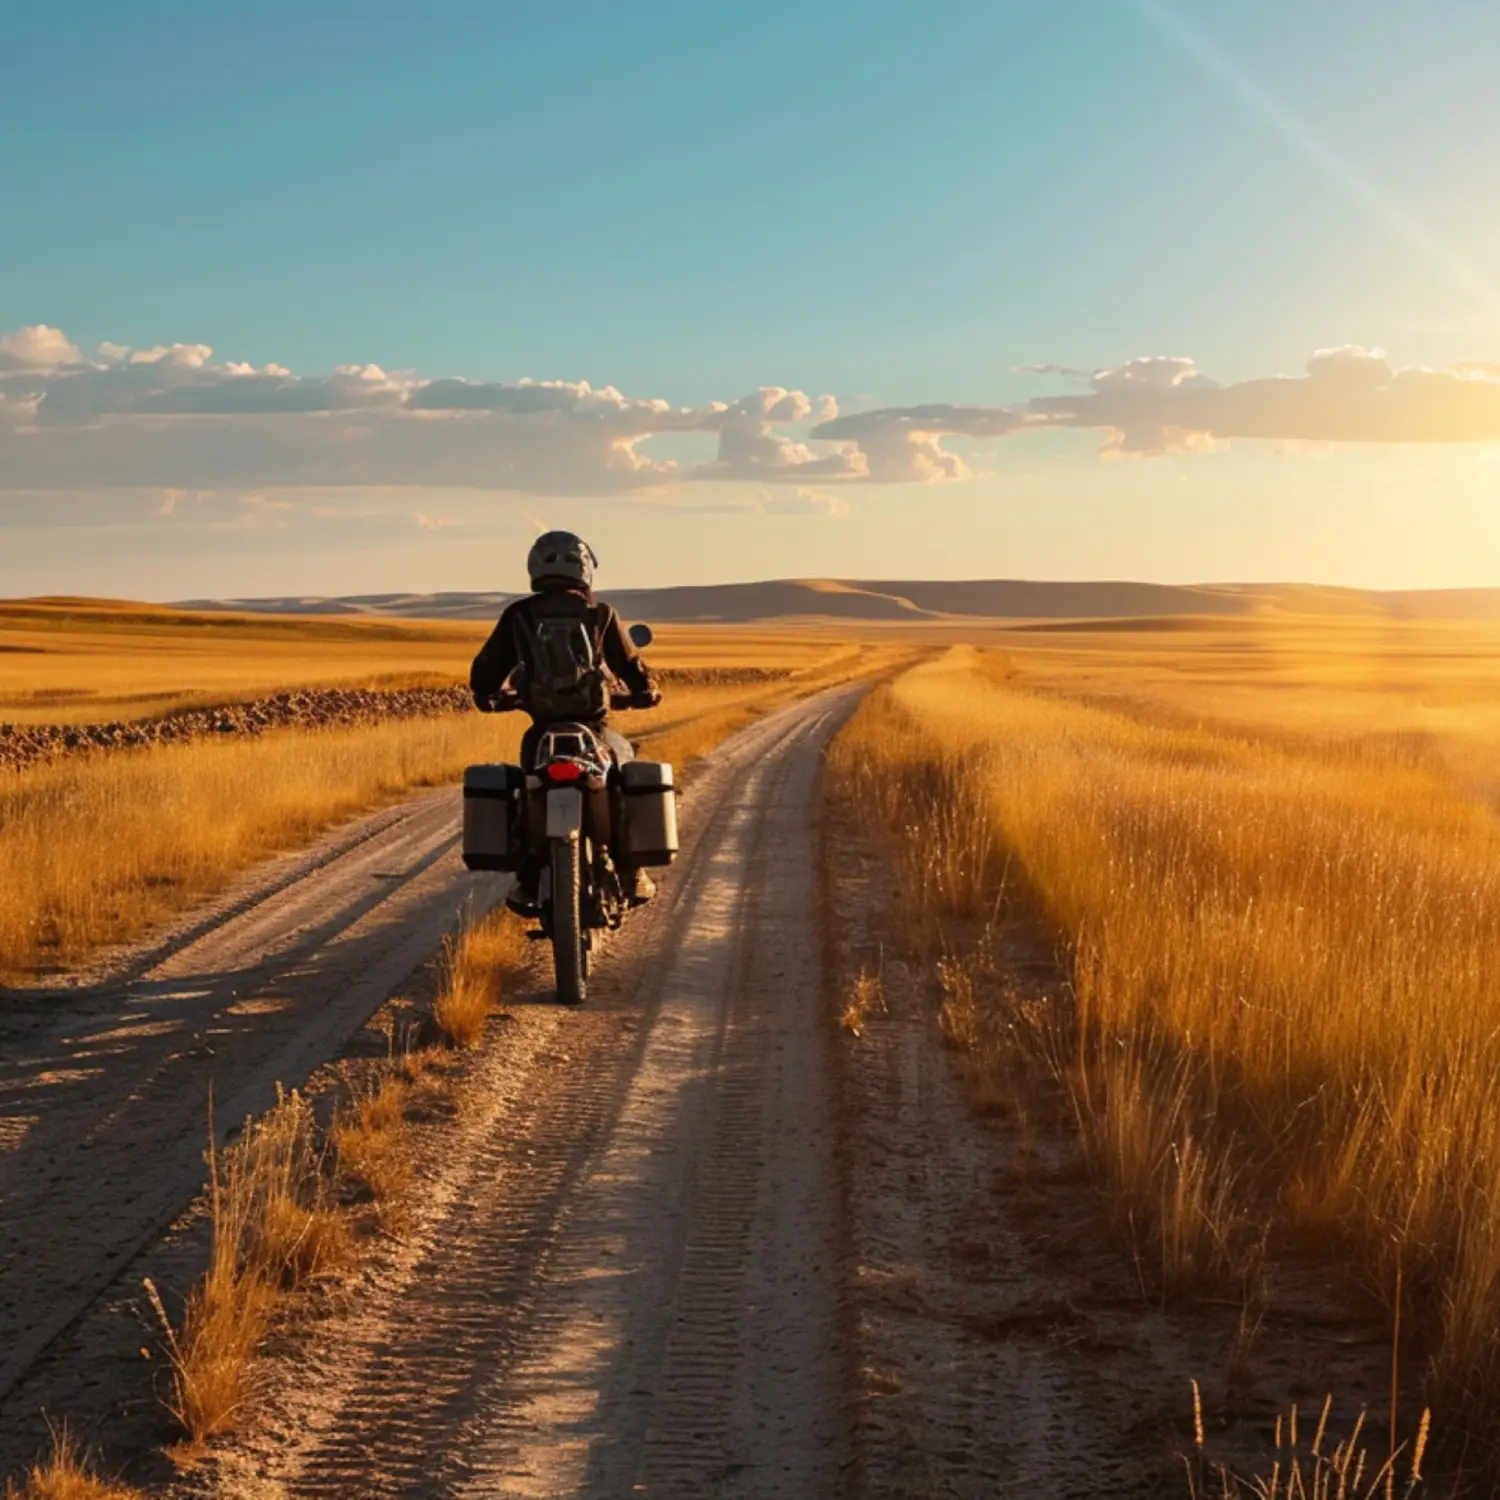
(641, 636)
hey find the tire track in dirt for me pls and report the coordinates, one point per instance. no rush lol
(104, 1096)
(627, 1276)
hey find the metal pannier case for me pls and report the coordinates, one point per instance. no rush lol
(494, 822)
(648, 813)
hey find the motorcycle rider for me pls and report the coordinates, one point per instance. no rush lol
(558, 642)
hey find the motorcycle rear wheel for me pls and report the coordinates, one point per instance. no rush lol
(567, 926)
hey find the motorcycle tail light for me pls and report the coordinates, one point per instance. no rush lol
(564, 770)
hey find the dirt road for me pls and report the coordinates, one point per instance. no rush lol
(625, 1277)
(104, 1095)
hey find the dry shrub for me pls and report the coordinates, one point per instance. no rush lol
(66, 1474)
(475, 965)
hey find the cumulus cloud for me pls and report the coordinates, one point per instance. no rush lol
(751, 448)
(174, 419)
(37, 348)
(903, 443)
(1347, 395)
(1158, 404)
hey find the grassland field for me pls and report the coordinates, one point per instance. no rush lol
(100, 848)
(1267, 850)
(1269, 854)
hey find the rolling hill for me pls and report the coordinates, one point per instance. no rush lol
(898, 601)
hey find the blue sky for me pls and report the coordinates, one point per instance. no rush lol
(896, 205)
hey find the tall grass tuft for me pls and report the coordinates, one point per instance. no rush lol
(275, 1227)
(1316, 1467)
(66, 1474)
(475, 965)
(372, 1147)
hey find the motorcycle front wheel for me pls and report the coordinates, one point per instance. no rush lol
(567, 925)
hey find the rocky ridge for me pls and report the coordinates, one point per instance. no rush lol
(23, 745)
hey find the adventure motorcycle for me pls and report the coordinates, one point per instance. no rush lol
(570, 819)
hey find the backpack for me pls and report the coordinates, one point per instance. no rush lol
(559, 638)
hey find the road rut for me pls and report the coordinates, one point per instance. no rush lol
(104, 1094)
(626, 1275)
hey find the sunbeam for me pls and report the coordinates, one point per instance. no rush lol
(1331, 163)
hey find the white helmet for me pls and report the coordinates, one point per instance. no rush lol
(561, 555)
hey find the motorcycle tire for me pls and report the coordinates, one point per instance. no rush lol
(567, 924)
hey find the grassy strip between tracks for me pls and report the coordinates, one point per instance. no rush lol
(1282, 1033)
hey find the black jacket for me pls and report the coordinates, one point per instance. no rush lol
(501, 654)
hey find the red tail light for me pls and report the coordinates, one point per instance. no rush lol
(564, 770)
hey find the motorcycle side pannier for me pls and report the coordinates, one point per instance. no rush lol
(494, 823)
(648, 812)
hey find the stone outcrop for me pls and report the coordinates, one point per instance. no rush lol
(23, 745)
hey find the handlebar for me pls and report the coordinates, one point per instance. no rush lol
(508, 701)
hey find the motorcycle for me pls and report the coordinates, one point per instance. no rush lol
(577, 804)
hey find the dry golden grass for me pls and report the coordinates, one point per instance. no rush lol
(92, 661)
(866, 995)
(281, 1219)
(224, 1320)
(112, 845)
(1315, 1466)
(1422, 689)
(475, 966)
(372, 1145)
(275, 1228)
(295, 1232)
(1281, 950)
(66, 1474)
(86, 661)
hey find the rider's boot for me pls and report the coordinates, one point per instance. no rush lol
(639, 886)
(523, 895)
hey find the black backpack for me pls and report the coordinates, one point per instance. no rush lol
(561, 641)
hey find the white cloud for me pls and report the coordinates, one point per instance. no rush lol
(1164, 404)
(173, 419)
(902, 444)
(1348, 395)
(37, 348)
